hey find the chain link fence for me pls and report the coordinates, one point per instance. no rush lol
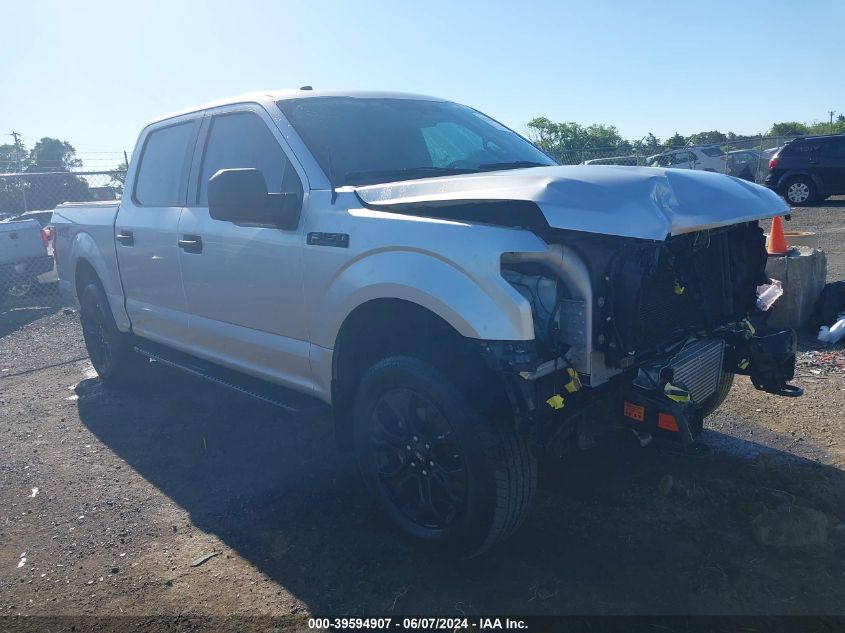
(746, 158)
(28, 280)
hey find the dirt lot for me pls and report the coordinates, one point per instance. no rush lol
(107, 499)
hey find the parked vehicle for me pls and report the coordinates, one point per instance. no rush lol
(748, 164)
(42, 217)
(808, 169)
(23, 257)
(463, 303)
(617, 160)
(710, 158)
(25, 286)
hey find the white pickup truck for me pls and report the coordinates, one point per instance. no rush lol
(462, 302)
(23, 256)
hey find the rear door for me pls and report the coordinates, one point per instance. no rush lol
(146, 226)
(243, 283)
(800, 157)
(832, 165)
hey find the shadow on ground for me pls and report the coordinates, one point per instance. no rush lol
(603, 536)
(16, 313)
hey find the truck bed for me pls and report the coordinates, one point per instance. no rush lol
(20, 241)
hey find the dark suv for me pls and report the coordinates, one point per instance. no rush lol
(808, 169)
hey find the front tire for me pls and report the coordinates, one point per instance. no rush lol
(109, 349)
(800, 191)
(451, 479)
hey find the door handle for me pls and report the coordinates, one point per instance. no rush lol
(191, 244)
(127, 238)
(13, 236)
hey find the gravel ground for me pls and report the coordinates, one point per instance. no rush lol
(110, 500)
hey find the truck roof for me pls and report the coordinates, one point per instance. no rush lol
(293, 93)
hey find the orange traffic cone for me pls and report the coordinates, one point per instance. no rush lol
(776, 242)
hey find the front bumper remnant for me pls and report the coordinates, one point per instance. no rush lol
(769, 360)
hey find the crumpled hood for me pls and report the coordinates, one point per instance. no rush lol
(640, 202)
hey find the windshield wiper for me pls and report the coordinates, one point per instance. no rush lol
(407, 173)
(516, 164)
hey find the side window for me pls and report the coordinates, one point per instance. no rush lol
(835, 148)
(163, 172)
(802, 148)
(243, 140)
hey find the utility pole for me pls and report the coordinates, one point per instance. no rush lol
(19, 154)
(831, 113)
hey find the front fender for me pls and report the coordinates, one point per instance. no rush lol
(480, 306)
(84, 247)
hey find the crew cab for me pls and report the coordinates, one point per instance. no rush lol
(463, 303)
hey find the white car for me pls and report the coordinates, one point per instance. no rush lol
(459, 300)
(710, 158)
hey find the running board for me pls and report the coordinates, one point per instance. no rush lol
(289, 400)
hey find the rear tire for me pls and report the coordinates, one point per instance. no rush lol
(21, 287)
(800, 191)
(110, 350)
(449, 477)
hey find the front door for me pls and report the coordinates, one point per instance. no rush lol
(243, 284)
(145, 231)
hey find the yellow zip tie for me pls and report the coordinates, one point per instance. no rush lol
(676, 393)
(574, 383)
(555, 402)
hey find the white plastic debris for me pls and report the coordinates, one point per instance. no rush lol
(34, 492)
(834, 333)
(22, 561)
(767, 294)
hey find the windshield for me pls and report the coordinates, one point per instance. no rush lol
(361, 141)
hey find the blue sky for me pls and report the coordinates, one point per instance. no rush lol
(92, 73)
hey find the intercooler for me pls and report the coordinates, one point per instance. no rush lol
(698, 367)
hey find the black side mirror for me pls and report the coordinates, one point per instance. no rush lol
(240, 196)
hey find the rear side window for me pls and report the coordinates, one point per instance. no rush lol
(163, 172)
(244, 140)
(835, 148)
(801, 148)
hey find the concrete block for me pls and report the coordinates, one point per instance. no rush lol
(803, 272)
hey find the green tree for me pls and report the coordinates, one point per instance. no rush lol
(788, 128)
(12, 159)
(713, 137)
(118, 179)
(570, 142)
(648, 145)
(676, 140)
(54, 159)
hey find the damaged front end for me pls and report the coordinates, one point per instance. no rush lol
(650, 330)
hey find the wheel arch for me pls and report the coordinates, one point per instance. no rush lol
(796, 173)
(385, 327)
(86, 257)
